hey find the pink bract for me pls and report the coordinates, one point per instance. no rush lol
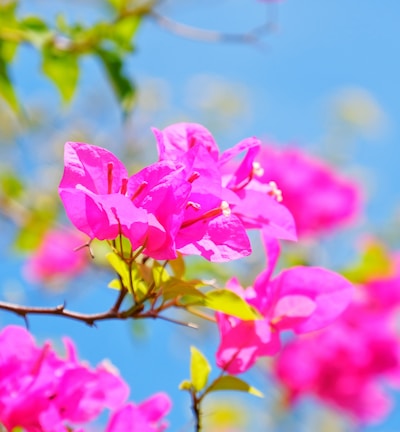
(319, 198)
(349, 364)
(57, 257)
(222, 203)
(103, 202)
(144, 417)
(41, 391)
(301, 299)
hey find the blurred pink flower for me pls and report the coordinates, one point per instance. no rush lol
(40, 391)
(348, 364)
(144, 417)
(301, 299)
(57, 257)
(319, 198)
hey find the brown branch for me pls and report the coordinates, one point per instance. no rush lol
(136, 312)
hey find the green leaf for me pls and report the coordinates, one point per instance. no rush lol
(177, 288)
(124, 30)
(63, 69)
(115, 284)
(160, 275)
(10, 185)
(375, 262)
(230, 382)
(228, 302)
(185, 385)
(36, 31)
(177, 266)
(123, 87)
(199, 369)
(120, 267)
(6, 88)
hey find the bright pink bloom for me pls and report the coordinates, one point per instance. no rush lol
(41, 391)
(102, 201)
(344, 365)
(302, 299)
(145, 417)
(56, 256)
(347, 364)
(318, 197)
(223, 202)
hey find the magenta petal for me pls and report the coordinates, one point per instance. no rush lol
(260, 211)
(178, 138)
(331, 293)
(156, 407)
(225, 240)
(88, 165)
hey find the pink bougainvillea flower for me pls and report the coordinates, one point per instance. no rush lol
(222, 204)
(102, 201)
(57, 257)
(301, 299)
(144, 417)
(41, 391)
(349, 364)
(319, 198)
(344, 365)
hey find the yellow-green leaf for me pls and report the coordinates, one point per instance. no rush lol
(230, 382)
(178, 266)
(6, 88)
(199, 369)
(228, 302)
(185, 385)
(63, 69)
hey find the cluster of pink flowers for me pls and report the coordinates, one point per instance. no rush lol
(347, 364)
(301, 299)
(40, 391)
(319, 198)
(190, 201)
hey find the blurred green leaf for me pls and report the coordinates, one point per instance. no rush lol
(120, 266)
(188, 290)
(11, 186)
(374, 262)
(63, 69)
(177, 266)
(36, 31)
(230, 382)
(123, 31)
(199, 369)
(185, 385)
(6, 88)
(123, 87)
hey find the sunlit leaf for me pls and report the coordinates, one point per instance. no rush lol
(178, 266)
(227, 301)
(6, 88)
(187, 291)
(230, 382)
(63, 69)
(199, 369)
(36, 31)
(123, 87)
(185, 385)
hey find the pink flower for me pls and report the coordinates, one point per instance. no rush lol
(302, 299)
(56, 256)
(344, 365)
(222, 203)
(103, 202)
(145, 417)
(41, 391)
(318, 197)
(348, 364)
